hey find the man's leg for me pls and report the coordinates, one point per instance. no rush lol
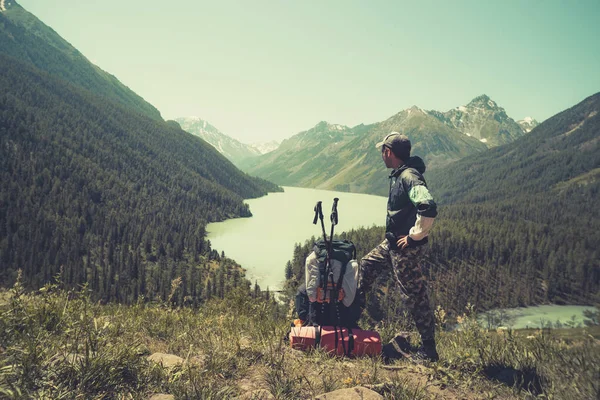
(372, 265)
(412, 282)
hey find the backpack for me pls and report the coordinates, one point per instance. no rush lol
(331, 285)
(335, 278)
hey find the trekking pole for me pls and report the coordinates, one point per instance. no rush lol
(319, 215)
(334, 216)
(322, 272)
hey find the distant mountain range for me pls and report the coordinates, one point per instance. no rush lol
(481, 119)
(341, 158)
(231, 148)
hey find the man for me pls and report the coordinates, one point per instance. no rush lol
(410, 214)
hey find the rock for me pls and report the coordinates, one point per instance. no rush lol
(259, 394)
(162, 397)
(355, 393)
(166, 360)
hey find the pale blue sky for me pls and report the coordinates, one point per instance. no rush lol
(261, 70)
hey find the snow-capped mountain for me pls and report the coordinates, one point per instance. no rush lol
(483, 119)
(233, 149)
(266, 147)
(527, 124)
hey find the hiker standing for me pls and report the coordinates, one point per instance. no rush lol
(410, 215)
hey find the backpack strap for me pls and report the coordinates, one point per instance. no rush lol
(344, 265)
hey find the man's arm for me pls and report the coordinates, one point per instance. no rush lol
(426, 211)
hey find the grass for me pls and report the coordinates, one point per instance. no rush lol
(57, 344)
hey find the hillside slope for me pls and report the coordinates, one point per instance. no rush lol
(108, 195)
(232, 349)
(25, 37)
(525, 213)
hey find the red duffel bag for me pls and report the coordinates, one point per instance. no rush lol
(336, 340)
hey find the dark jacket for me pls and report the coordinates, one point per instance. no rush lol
(401, 211)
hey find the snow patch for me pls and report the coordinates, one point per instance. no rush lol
(462, 108)
(491, 103)
(204, 125)
(2, 6)
(483, 140)
(468, 134)
(529, 120)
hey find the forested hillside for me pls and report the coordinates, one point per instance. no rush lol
(523, 217)
(26, 38)
(517, 225)
(105, 194)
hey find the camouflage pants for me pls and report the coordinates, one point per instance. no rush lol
(409, 276)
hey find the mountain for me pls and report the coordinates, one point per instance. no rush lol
(234, 150)
(265, 147)
(522, 218)
(26, 38)
(340, 158)
(483, 119)
(527, 124)
(337, 157)
(97, 189)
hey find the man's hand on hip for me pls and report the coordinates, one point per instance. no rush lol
(402, 242)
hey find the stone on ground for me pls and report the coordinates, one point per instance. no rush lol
(355, 393)
(162, 397)
(167, 360)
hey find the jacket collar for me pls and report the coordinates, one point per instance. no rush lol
(396, 172)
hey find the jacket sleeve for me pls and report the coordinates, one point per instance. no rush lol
(426, 208)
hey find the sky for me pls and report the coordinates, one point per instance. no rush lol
(263, 70)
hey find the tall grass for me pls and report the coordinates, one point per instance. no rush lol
(58, 344)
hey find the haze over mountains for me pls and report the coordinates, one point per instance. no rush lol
(338, 157)
(231, 148)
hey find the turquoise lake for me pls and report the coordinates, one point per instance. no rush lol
(264, 243)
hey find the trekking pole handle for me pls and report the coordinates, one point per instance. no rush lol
(334, 212)
(318, 212)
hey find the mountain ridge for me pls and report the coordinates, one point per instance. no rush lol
(26, 38)
(337, 157)
(483, 119)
